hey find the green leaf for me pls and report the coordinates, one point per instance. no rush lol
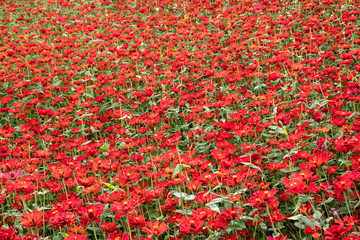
(105, 147)
(178, 169)
(184, 196)
(307, 222)
(317, 214)
(213, 207)
(277, 129)
(284, 130)
(184, 212)
(330, 199)
(263, 226)
(251, 165)
(59, 236)
(288, 170)
(358, 203)
(86, 143)
(296, 217)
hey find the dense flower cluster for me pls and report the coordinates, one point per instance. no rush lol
(164, 119)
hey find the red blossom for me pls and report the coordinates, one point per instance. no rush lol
(155, 228)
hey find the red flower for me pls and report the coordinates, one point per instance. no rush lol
(136, 221)
(33, 219)
(2, 198)
(79, 229)
(118, 236)
(30, 237)
(231, 213)
(335, 232)
(90, 213)
(20, 186)
(73, 204)
(204, 198)
(193, 186)
(294, 185)
(282, 237)
(8, 234)
(202, 213)
(191, 226)
(155, 228)
(126, 178)
(62, 219)
(109, 227)
(124, 207)
(217, 225)
(73, 236)
(314, 233)
(348, 222)
(61, 171)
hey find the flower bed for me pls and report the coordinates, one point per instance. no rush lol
(163, 119)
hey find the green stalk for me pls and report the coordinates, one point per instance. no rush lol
(347, 204)
(128, 224)
(23, 201)
(272, 222)
(93, 224)
(67, 197)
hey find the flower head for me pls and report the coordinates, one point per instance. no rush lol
(12, 175)
(155, 228)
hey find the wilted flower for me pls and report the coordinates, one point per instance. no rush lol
(334, 212)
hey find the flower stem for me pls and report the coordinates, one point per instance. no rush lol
(93, 224)
(272, 223)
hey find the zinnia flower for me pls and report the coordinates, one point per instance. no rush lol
(32, 219)
(155, 228)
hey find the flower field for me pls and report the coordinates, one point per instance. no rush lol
(164, 119)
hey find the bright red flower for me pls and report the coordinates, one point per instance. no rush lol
(231, 213)
(32, 220)
(217, 225)
(20, 186)
(126, 178)
(90, 213)
(8, 234)
(72, 204)
(202, 213)
(136, 221)
(314, 233)
(74, 236)
(109, 227)
(30, 237)
(62, 219)
(204, 197)
(155, 228)
(78, 229)
(282, 237)
(2, 198)
(335, 232)
(191, 226)
(61, 171)
(118, 236)
(124, 207)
